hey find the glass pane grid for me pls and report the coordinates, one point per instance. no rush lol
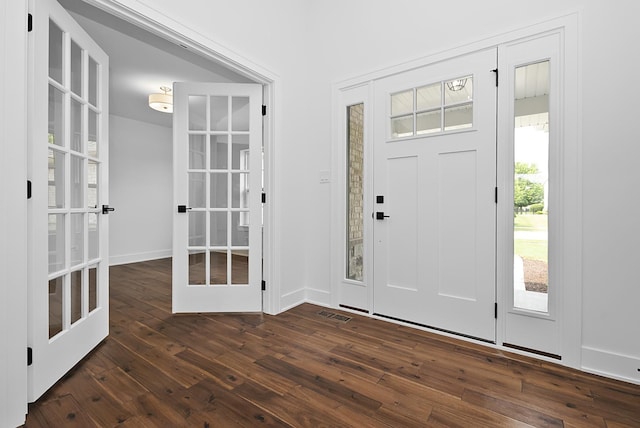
(217, 154)
(435, 108)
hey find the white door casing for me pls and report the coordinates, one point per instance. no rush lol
(217, 182)
(434, 256)
(68, 308)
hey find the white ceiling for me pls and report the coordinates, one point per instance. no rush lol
(140, 62)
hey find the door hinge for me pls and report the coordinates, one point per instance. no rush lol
(264, 110)
(29, 356)
(264, 198)
(495, 310)
(495, 70)
(29, 23)
(264, 285)
(496, 195)
(28, 189)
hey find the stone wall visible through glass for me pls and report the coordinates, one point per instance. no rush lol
(355, 192)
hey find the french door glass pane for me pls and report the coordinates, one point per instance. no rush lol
(197, 228)
(55, 305)
(218, 274)
(197, 189)
(56, 242)
(219, 190)
(55, 52)
(92, 138)
(219, 113)
(240, 155)
(93, 288)
(240, 268)
(531, 184)
(219, 151)
(76, 235)
(218, 229)
(93, 82)
(76, 69)
(197, 113)
(56, 116)
(76, 295)
(197, 151)
(355, 192)
(239, 233)
(240, 187)
(92, 184)
(197, 267)
(76, 126)
(77, 182)
(93, 236)
(56, 178)
(240, 115)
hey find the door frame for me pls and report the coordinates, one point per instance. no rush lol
(570, 243)
(161, 25)
(13, 86)
(13, 214)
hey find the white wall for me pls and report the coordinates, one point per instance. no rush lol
(141, 190)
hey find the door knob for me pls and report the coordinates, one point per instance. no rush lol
(380, 215)
(106, 209)
(183, 208)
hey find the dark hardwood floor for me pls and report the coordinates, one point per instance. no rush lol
(306, 367)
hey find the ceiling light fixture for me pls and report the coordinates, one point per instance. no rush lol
(456, 85)
(162, 102)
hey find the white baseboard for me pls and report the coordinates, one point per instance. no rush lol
(610, 364)
(138, 257)
(292, 299)
(318, 297)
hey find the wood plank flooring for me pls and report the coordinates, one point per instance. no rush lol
(306, 369)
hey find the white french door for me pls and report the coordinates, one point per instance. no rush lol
(434, 187)
(68, 279)
(217, 253)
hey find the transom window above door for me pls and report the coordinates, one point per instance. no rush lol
(435, 108)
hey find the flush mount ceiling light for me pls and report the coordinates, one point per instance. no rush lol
(456, 85)
(162, 102)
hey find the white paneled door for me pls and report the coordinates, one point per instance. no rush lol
(68, 279)
(217, 255)
(434, 185)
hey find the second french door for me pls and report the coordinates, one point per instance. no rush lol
(217, 255)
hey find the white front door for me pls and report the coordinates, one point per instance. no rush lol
(68, 282)
(434, 196)
(217, 254)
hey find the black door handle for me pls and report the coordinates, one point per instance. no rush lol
(380, 215)
(106, 209)
(183, 208)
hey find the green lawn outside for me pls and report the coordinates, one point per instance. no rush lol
(530, 248)
(530, 222)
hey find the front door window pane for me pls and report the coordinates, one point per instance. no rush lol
(531, 187)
